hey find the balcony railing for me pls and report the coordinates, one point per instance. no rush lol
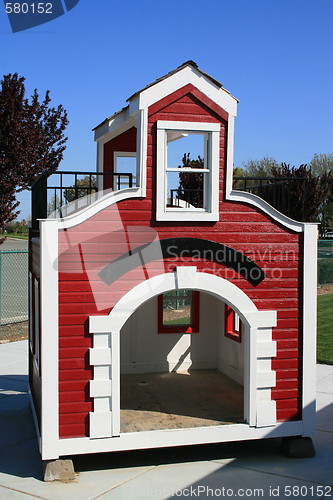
(287, 195)
(63, 192)
(186, 198)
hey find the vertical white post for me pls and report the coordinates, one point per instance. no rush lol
(115, 377)
(309, 327)
(230, 155)
(247, 371)
(141, 150)
(49, 339)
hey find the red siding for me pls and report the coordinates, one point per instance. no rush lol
(244, 228)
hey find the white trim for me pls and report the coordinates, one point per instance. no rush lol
(141, 150)
(254, 200)
(211, 212)
(187, 75)
(100, 204)
(229, 168)
(115, 377)
(99, 164)
(252, 319)
(49, 339)
(177, 437)
(192, 126)
(115, 125)
(309, 328)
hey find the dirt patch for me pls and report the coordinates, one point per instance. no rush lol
(324, 289)
(13, 332)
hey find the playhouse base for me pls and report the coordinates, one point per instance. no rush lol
(179, 400)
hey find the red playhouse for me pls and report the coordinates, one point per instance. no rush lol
(168, 308)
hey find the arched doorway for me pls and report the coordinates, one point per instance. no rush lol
(259, 349)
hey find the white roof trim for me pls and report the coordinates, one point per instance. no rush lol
(100, 204)
(187, 75)
(254, 200)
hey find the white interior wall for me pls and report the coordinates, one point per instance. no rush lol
(144, 350)
(231, 354)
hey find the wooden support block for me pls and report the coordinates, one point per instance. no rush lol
(59, 470)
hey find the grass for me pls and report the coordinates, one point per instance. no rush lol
(325, 329)
(18, 235)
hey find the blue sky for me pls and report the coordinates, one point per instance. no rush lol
(275, 57)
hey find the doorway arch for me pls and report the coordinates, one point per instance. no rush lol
(259, 348)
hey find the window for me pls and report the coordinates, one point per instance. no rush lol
(233, 325)
(187, 170)
(124, 163)
(178, 311)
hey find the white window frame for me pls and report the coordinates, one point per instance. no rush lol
(124, 154)
(211, 194)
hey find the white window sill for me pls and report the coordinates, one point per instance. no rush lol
(184, 215)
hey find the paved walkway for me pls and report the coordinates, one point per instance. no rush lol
(14, 244)
(248, 469)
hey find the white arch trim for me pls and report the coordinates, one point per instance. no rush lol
(259, 348)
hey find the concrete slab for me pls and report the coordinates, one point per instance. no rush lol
(325, 384)
(323, 371)
(264, 456)
(204, 480)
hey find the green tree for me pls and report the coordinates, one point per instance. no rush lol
(259, 168)
(322, 164)
(190, 187)
(83, 187)
(307, 197)
(53, 205)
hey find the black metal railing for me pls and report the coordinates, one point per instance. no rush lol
(288, 195)
(189, 197)
(51, 192)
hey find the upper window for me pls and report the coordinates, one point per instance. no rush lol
(187, 170)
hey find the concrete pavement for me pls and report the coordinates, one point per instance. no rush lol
(247, 469)
(11, 244)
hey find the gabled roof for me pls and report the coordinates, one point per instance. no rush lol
(173, 72)
(187, 63)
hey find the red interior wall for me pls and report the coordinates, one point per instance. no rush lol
(125, 142)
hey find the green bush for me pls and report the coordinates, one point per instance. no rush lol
(325, 271)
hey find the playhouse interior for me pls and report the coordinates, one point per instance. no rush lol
(180, 380)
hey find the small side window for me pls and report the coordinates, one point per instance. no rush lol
(233, 325)
(125, 168)
(178, 311)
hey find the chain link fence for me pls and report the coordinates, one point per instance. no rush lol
(325, 262)
(13, 286)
